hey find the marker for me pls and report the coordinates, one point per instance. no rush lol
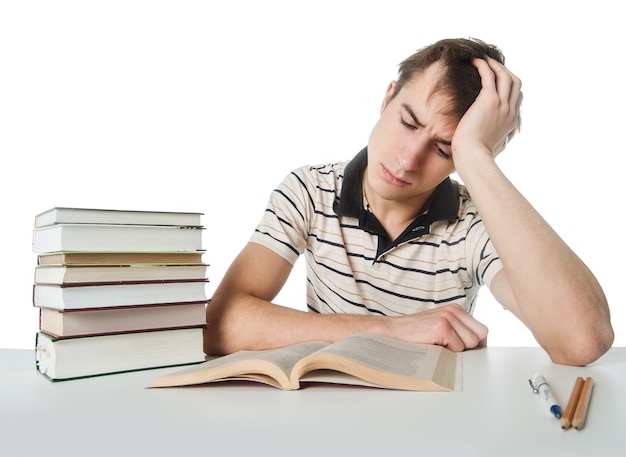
(540, 386)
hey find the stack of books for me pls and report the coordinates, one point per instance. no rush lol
(118, 290)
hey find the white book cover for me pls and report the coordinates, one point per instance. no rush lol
(64, 215)
(115, 238)
(109, 295)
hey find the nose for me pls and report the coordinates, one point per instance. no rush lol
(412, 155)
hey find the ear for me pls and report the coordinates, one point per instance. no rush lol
(388, 95)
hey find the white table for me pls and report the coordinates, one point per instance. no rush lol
(495, 414)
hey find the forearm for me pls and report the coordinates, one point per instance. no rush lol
(243, 322)
(236, 321)
(556, 295)
(241, 315)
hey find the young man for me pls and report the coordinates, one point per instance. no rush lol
(393, 246)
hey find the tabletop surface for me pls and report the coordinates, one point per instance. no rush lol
(495, 414)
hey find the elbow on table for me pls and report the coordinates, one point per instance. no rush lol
(230, 326)
(211, 343)
(217, 341)
(584, 350)
(216, 338)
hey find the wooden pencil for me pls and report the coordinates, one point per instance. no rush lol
(580, 415)
(570, 409)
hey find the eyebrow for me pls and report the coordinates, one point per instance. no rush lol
(409, 110)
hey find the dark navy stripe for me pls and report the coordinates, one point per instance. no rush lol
(291, 202)
(303, 184)
(280, 241)
(386, 262)
(283, 221)
(373, 286)
(345, 300)
(482, 276)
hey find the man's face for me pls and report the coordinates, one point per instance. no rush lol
(409, 151)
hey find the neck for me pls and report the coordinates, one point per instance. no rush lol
(394, 215)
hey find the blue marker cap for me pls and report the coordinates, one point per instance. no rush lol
(556, 410)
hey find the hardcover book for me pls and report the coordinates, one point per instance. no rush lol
(120, 258)
(64, 215)
(70, 358)
(81, 296)
(111, 238)
(99, 321)
(64, 274)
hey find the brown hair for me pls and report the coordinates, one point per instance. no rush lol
(459, 79)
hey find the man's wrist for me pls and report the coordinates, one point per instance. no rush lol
(470, 162)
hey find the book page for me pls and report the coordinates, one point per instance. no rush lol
(390, 360)
(337, 377)
(394, 356)
(285, 358)
(270, 367)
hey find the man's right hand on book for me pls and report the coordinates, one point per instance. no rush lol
(449, 326)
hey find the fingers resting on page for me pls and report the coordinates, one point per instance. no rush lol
(449, 326)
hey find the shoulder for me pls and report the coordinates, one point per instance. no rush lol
(316, 182)
(467, 208)
(467, 217)
(327, 174)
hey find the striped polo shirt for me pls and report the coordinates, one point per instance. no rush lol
(443, 257)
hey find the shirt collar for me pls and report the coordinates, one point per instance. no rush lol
(444, 205)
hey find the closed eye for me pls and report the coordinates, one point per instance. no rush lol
(437, 148)
(407, 125)
(443, 153)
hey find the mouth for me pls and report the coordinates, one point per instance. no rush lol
(393, 179)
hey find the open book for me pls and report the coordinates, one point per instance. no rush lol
(362, 359)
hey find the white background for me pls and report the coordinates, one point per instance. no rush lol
(205, 106)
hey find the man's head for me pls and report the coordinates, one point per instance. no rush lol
(459, 79)
(410, 146)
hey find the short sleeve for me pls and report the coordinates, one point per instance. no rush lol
(482, 256)
(284, 225)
